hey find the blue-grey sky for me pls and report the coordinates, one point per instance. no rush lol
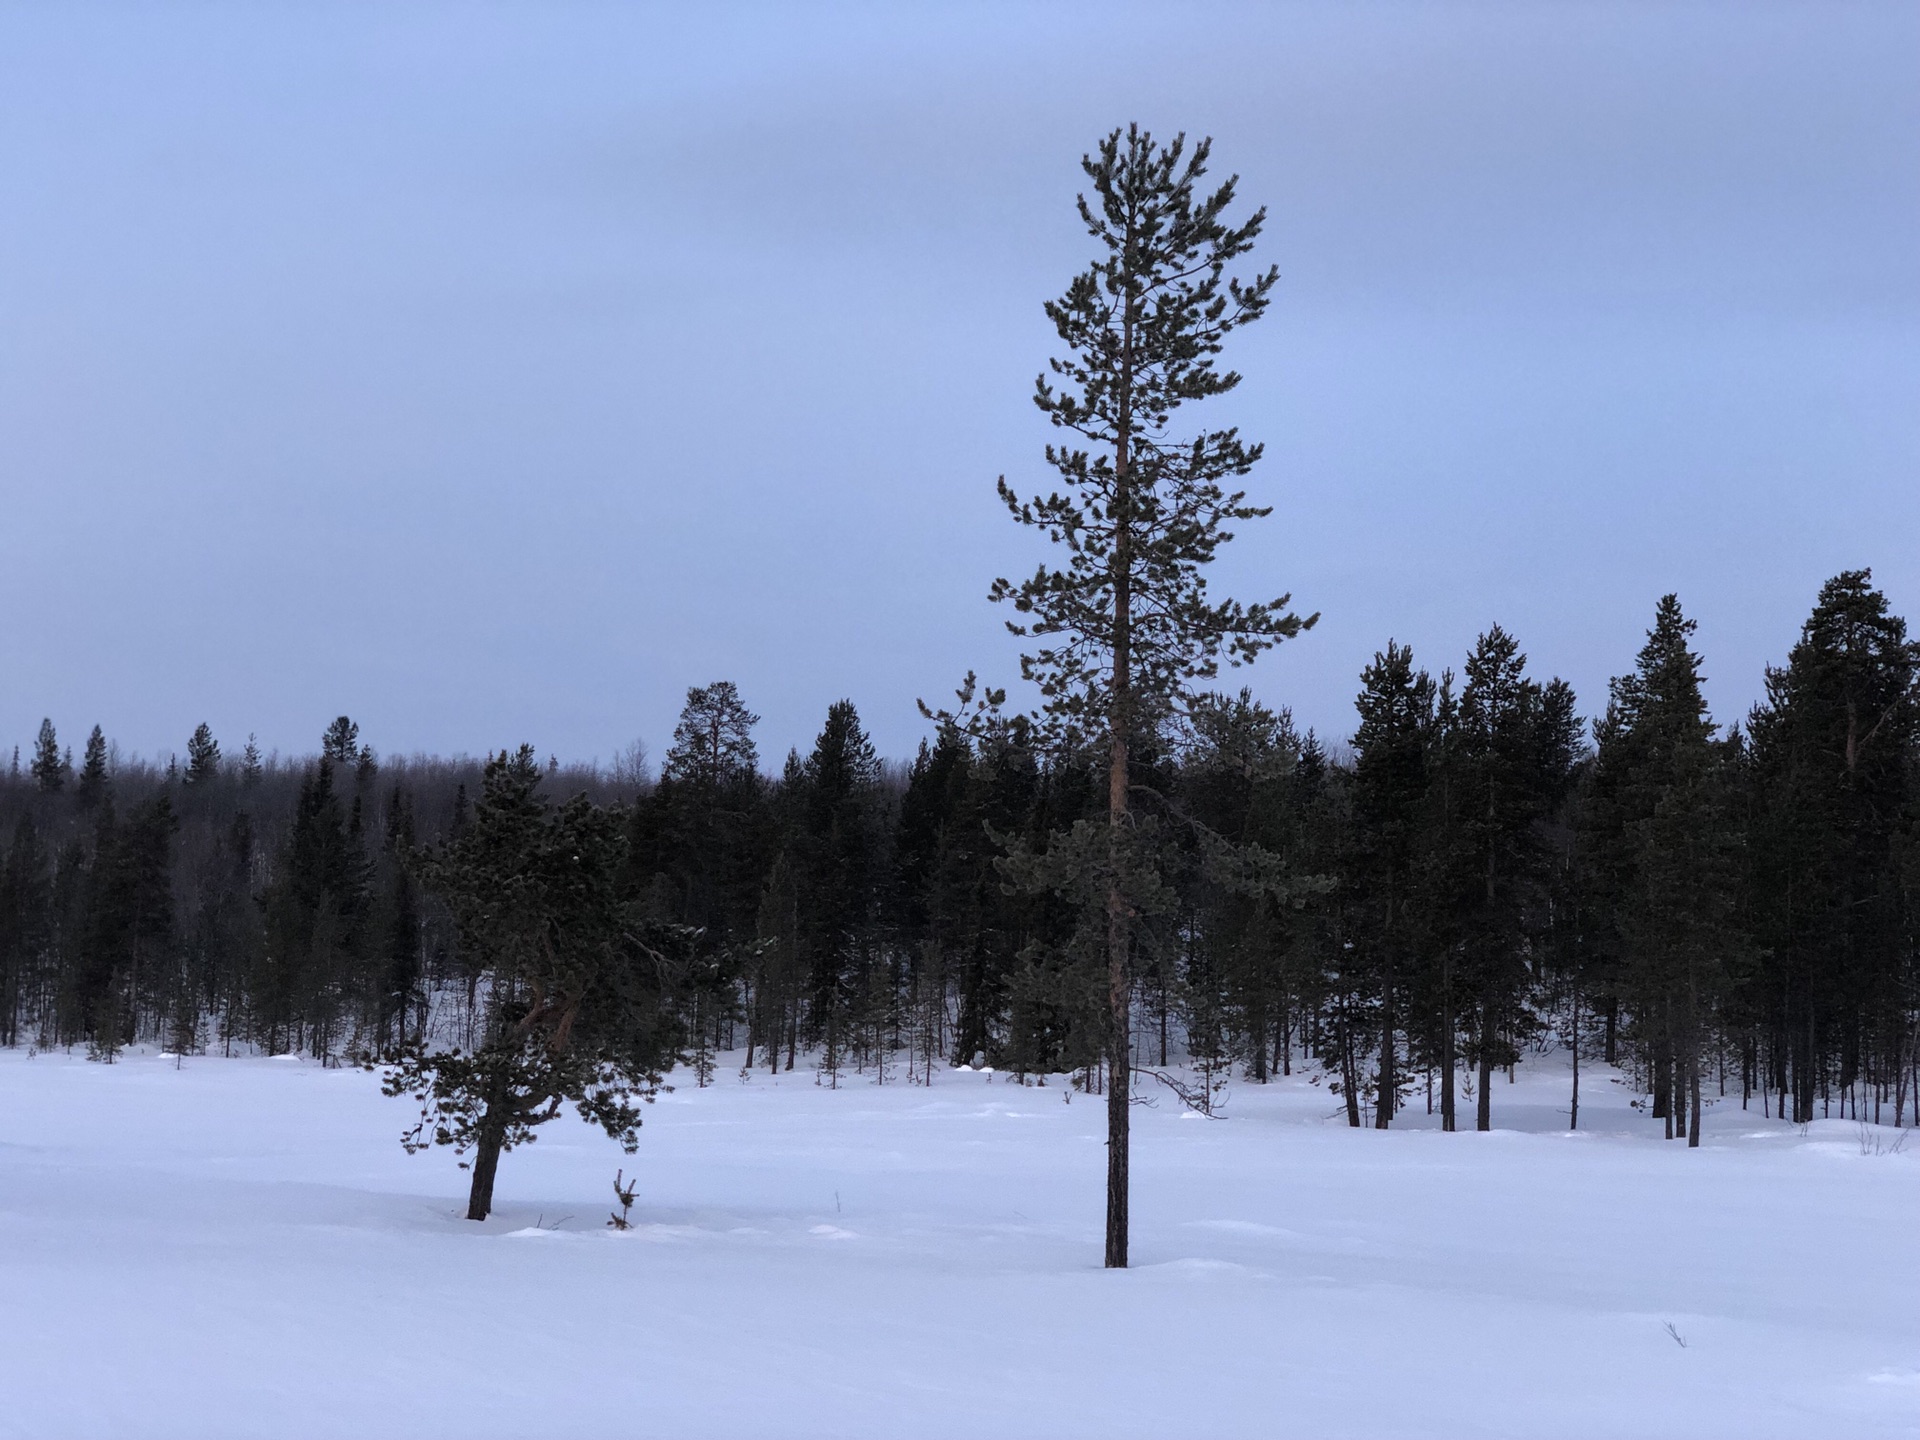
(497, 372)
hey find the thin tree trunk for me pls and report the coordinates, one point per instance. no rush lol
(752, 1009)
(1389, 1080)
(1573, 1111)
(1899, 1092)
(1163, 1023)
(1693, 1121)
(1119, 988)
(1349, 1074)
(1483, 1114)
(1120, 1040)
(1119, 735)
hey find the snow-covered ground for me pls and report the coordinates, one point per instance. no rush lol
(240, 1248)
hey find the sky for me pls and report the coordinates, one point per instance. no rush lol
(497, 372)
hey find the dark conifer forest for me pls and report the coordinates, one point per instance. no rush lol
(1475, 872)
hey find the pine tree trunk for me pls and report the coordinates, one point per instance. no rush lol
(1389, 1081)
(1447, 1060)
(1693, 1120)
(486, 1162)
(1119, 735)
(1685, 1061)
(1682, 1067)
(1804, 1081)
(1663, 1092)
(1483, 1114)
(1573, 1112)
(1120, 1040)
(1663, 1071)
(1349, 1074)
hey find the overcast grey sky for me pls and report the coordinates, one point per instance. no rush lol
(497, 372)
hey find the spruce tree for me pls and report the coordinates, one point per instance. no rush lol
(49, 768)
(698, 841)
(25, 921)
(127, 945)
(250, 767)
(702, 826)
(1504, 763)
(399, 985)
(203, 756)
(341, 742)
(1239, 780)
(837, 836)
(316, 912)
(952, 910)
(93, 778)
(1835, 814)
(1393, 749)
(1125, 624)
(1661, 856)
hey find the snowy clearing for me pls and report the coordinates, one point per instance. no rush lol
(240, 1248)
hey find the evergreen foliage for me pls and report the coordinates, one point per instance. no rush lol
(1833, 802)
(203, 756)
(579, 987)
(1719, 912)
(1124, 625)
(93, 780)
(50, 767)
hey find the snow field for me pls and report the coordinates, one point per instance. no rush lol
(226, 1247)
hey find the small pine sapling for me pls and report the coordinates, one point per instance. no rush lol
(624, 1193)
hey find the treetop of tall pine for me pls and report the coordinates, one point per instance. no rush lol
(713, 742)
(1143, 513)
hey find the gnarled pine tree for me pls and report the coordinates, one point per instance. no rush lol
(1125, 623)
(580, 990)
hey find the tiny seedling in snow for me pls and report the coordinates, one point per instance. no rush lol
(624, 1193)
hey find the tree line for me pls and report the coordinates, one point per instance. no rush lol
(1475, 874)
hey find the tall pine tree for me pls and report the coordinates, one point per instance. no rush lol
(1125, 624)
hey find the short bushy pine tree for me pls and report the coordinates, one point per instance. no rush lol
(579, 986)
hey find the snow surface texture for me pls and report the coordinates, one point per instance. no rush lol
(240, 1248)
